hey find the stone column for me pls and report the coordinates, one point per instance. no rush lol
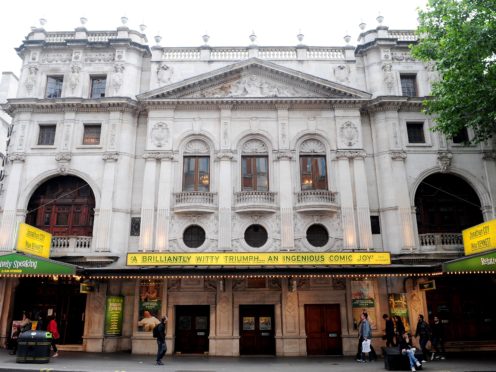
(489, 210)
(350, 240)
(8, 225)
(403, 199)
(285, 185)
(104, 226)
(148, 202)
(164, 201)
(225, 157)
(362, 201)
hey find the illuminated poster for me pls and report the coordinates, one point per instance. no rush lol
(150, 306)
(113, 315)
(398, 306)
(362, 300)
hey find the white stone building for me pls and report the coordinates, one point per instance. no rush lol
(120, 148)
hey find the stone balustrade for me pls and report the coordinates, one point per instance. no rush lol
(255, 201)
(441, 242)
(316, 200)
(63, 245)
(403, 35)
(194, 201)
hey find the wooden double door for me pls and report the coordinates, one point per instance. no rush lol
(256, 330)
(323, 329)
(192, 329)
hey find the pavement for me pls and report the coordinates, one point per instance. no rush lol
(126, 362)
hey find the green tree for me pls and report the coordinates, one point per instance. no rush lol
(460, 37)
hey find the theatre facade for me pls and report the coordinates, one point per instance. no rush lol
(261, 197)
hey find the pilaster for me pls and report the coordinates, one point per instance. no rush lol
(225, 157)
(148, 201)
(362, 202)
(350, 240)
(164, 201)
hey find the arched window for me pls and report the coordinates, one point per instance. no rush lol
(446, 203)
(196, 166)
(313, 165)
(63, 206)
(254, 166)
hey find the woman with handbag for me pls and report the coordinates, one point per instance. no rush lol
(54, 330)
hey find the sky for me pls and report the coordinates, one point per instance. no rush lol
(227, 22)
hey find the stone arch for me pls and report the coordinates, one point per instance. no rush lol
(446, 203)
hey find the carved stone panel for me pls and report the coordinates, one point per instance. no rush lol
(348, 134)
(159, 134)
(312, 146)
(254, 146)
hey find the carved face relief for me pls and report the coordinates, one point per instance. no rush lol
(164, 73)
(349, 133)
(159, 134)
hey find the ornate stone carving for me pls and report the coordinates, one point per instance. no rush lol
(254, 146)
(389, 80)
(349, 133)
(386, 54)
(16, 156)
(397, 155)
(63, 156)
(159, 134)
(196, 147)
(284, 155)
(342, 73)
(312, 146)
(117, 76)
(225, 155)
(74, 77)
(151, 155)
(99, 57)
(403, 57)
(351, 154)
(110, 156)
(30, 81)
(164, 73)
(444, 160)
(252, 86)
(489, 155)
(51, 58)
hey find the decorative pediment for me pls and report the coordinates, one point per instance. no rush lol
(254, 78)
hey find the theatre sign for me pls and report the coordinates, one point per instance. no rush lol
(257, 259)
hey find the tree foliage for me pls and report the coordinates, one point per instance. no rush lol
(460, 37)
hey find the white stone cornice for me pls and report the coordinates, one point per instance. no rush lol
(397, 155)
(444, 160)
(16, 157)
(110, 156)
(351, 154)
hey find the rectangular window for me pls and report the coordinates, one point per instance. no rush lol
(54, 86)
(461, 136)
(408, 85)
(46, 137)
(375, 225)
(91, 134)
(254, 173)
(313, 173)
(98, 84)
(415, 132)
(196, 173)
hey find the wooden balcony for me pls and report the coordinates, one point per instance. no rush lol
(255, 201)
(195, 202)
(316, 201)
(441, 242)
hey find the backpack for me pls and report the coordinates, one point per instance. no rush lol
(155, 331)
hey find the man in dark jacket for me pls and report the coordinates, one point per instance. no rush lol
(423, 332)
(161, 346)
(437, 339)
(389, 331)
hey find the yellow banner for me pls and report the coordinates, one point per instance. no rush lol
(33, 241)
(480, 238)
(256, 259)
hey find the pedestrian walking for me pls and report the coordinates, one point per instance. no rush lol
(389, 331)
(423, 332)
(365, 334)
(53, 328)
(399, 328)
(159, 333)
(406, 348)
(437, 340)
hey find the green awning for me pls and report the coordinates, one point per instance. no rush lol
(478, 263)
(23, 264)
